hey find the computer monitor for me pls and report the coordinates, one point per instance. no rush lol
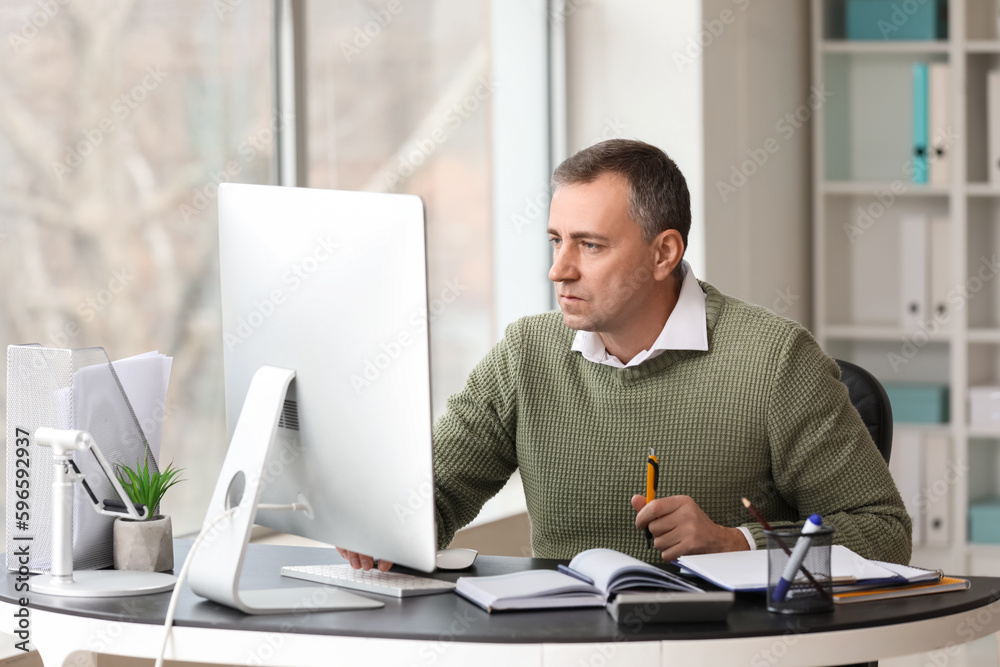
(333, 286)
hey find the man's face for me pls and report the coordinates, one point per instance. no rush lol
(601, 265)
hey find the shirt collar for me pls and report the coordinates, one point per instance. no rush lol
(686, 328)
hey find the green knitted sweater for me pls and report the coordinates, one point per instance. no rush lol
(761, 414)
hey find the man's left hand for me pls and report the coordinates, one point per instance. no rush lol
(680, 528)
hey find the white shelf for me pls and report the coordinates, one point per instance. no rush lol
(859, 147)
(982, 190)
(984, 335)
(984, 550)
(983, 46)
(872, 187)
(875, 48)
(880, 333)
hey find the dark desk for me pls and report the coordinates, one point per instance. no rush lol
(440, 629)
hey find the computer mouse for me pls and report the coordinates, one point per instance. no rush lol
(456, 559)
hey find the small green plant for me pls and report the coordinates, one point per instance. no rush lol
(144, 488)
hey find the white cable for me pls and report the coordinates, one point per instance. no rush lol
(172, 607)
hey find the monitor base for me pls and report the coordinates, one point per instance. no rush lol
(104, 584)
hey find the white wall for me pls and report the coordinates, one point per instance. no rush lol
(705, 80)
(758, 233)
(622, 81)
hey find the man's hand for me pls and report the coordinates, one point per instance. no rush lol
(362, 562)
(680, 528)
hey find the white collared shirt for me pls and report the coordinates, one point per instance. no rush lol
(686, 329)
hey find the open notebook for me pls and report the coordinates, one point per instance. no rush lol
(611, 571)
(744, 571)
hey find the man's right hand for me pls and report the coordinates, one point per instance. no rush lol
(362, 562)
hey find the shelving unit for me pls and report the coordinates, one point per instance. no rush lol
(862, 138)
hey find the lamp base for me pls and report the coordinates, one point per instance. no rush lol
(104, 584)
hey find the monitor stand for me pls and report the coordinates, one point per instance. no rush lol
(217, 564)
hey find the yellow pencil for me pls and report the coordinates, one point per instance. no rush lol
(652, 475)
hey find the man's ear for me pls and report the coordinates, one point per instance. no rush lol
(668, 249)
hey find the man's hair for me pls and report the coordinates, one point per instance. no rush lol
(658, 194)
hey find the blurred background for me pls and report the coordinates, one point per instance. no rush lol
(790, 120)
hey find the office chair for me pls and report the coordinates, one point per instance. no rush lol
(870, 400)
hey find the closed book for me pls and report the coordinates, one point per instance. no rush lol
(939, 120)
(993, 115)
(610, 571)
(944, 585)
(937, 490)
(913, 276)
(941, 283)
(907, 469)
(920, 76)
(892, 20)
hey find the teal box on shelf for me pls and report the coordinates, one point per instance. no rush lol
(918, 403)
(897, 19)
(984, 521)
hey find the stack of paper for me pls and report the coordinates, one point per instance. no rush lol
(746, 571)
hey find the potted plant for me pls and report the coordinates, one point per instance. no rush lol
(145, 545)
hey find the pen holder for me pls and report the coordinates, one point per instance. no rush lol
(807, 589)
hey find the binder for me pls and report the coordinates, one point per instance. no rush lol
(907, 468)
(936, 494)
(913, 277)
(939, 119)
(920, 122)
(993, 120)
(941, 282)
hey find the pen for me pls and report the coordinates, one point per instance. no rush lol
(652, 475)
(573, 573)
(813, 524)
(766, 526)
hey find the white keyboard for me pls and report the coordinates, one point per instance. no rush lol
(394, 584)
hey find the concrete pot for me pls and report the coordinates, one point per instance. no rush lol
(147, 546)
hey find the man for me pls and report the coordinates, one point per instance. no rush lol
(736, 400)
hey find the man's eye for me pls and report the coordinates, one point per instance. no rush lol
(591, 246)
(555, 241)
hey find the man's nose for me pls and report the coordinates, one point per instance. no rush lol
(563, 268)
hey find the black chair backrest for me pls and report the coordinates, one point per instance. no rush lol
(870, 400)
